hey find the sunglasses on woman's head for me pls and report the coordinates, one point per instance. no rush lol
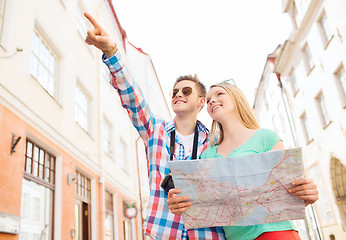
(185, 90)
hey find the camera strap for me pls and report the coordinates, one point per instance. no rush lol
(195, 143)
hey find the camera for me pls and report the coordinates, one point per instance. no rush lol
(167, 183)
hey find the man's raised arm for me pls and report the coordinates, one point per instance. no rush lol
(131, 97)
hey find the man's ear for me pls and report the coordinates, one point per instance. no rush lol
(201, 103)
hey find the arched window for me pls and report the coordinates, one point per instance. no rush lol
(338, 174)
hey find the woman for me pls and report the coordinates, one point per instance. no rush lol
(240, 135)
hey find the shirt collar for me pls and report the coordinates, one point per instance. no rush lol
(202, 129)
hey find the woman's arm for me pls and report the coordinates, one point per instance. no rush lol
(303, 188)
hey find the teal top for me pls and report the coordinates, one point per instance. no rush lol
(262, 141)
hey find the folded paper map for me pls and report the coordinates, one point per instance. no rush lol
(240, 191)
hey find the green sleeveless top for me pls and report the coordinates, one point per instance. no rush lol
(262, 141)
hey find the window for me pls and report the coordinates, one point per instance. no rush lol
(82, 25)
(37, 193)
(81, 108)
(341, 84)
(321, 104)
(122, 154)
(107, 131)
(83, 187)
(82, 206)
(109, 216)
(307, 59)
(323, 206)
(39, 164)
(325, 28)
(43, 64)
(306, 128)
(293, 82)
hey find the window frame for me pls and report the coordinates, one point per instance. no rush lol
(29, 175)
(324, 26)
(293, 82)
(109, 210)
(81, 23)
(79, 109)
(341, 83)
(306, 129)
(107, 141)
(307, 57)
(322, 108)
(83, 200)
(83, 183)
(51, 72)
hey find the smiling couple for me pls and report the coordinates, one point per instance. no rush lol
(185, 137)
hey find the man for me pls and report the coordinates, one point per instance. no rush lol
(189, 136)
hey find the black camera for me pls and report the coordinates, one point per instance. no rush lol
(167, 183)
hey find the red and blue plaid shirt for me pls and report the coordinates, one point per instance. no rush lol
(160, 223)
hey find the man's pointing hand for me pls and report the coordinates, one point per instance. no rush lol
(99, 37)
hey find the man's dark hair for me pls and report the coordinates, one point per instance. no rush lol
(200, 86)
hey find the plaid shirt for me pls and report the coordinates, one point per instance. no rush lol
(160, 223)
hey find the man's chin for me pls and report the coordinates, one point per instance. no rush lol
(178, 110)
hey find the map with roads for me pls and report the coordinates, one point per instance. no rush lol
(240, 191)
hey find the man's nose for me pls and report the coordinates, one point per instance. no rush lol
(179, 94)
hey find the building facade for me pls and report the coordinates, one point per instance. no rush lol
(302, 95)
(69, 169)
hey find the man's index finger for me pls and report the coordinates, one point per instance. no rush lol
(91, 20)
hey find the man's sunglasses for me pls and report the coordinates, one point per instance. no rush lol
(185, 90)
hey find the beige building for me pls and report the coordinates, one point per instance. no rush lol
(302, 95)
(69, 165)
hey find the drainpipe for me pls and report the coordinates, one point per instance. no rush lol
(286, 110)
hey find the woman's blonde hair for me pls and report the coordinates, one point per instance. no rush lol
(242, 109)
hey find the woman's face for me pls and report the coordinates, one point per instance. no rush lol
(219, 103)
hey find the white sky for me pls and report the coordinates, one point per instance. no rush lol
(217, 40)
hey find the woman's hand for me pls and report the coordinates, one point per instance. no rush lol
(178, 204)
(306, 189)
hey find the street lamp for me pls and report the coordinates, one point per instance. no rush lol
(17, 50)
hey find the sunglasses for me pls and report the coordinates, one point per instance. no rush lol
(185, 90)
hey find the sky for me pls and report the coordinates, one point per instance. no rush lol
(217, 40)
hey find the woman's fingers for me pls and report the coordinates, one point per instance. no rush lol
(306, 189)
(302, 181)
